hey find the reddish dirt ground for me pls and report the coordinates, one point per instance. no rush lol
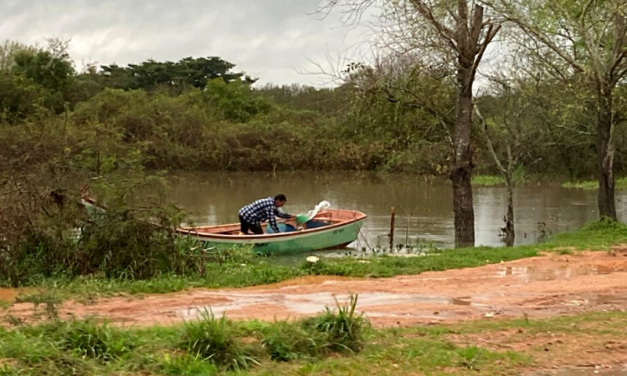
(536, 287)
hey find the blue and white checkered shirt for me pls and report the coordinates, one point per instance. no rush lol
(263, 210)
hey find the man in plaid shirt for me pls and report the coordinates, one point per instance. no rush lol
(267, 209)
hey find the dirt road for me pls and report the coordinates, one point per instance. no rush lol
(537, 287)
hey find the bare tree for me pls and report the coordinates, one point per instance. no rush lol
(8, 50)
(585, 38)
(456, 33)
(510, 119)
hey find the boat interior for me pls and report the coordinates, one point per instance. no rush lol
(323, 219)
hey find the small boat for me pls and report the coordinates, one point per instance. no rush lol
(328, 229)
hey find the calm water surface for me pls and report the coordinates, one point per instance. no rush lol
(424, 206)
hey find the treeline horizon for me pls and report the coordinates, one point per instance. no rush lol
(200, 114)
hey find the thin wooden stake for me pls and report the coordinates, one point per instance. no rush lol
(392, 229)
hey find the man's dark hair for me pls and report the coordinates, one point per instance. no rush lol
(280, 197)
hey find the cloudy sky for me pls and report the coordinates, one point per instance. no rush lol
(273, 40)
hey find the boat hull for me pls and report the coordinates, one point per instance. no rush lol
(297, 242)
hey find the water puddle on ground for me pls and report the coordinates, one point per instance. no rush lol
(375, 304)
(590, 371)
(562, 273)
(600, 299)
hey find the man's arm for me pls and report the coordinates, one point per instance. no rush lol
(272, 220)
(280, 214)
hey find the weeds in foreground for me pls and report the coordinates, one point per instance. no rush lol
(185, 364)
(95, 340)
(286, 342)
(340, 330)
(215, 340)
(343, 328)
(79, 348)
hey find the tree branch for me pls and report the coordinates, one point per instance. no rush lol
(486, 133)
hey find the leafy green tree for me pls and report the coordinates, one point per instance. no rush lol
(53, 73)
(236, 100)
(188, 72)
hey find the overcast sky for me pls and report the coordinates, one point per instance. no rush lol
(269, 39)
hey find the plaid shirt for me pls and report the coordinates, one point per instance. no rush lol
(263, 210)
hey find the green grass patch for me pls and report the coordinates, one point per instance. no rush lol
(212, 346)
(487, 180)
(620, 184)
(215, 340)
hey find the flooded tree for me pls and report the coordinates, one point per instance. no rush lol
(507, 136)
(587, 39)
(452, 34)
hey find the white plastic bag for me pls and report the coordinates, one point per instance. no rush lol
(321, 206)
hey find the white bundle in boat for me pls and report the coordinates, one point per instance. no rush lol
(321, 206)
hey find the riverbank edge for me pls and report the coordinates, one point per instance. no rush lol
(256, 271)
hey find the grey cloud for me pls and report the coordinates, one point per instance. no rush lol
(270, 39)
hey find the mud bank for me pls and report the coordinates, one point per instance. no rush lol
(536, 287)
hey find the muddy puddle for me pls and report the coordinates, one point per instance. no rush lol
(564, 272)
(374, 304)
(588, 371)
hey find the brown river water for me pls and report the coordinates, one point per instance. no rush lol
(424, 206)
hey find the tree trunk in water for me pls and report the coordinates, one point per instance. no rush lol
(462, 170)
(605, 156)
(510, 231)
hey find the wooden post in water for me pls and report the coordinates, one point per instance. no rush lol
(392, 229)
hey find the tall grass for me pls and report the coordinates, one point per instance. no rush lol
(339, 330)
(212, 346)
(215, 340)
(342, 327)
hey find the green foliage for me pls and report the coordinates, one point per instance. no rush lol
(620, 184)
(143, 249)
(94, 340)
(235, 100)
(339, 330)
(214, 339)
(186, 364)
(343, 327)
(86, 347)
(177, 76)
(197, 114)
(487, 180)
(287, 341)
(53, 74)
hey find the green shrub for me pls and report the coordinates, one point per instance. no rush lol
(286, 341)
(343, 328)
(88, 338)
(215, 340)
(186, 364)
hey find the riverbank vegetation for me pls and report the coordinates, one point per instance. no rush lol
(340, 340)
